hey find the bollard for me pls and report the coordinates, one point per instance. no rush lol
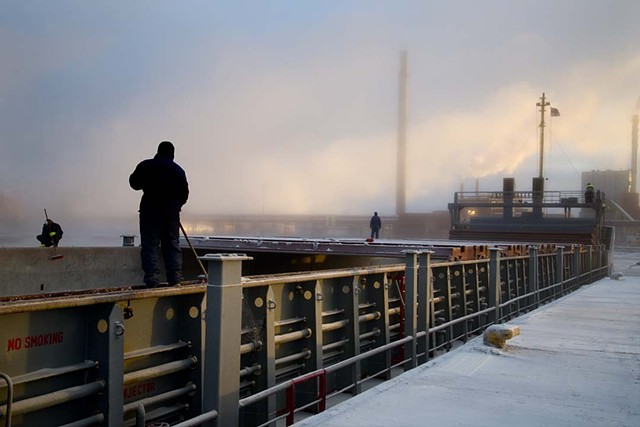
(497, 335)
(223, 330)
(128, 240)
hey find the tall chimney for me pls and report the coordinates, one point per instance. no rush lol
(402, 138)
(634, 153)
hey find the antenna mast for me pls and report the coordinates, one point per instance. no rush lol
(542, 104)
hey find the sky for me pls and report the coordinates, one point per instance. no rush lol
(291, 107)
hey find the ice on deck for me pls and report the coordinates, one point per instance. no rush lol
(576, 362)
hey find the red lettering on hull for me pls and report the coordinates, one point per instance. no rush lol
(138, 390)
(33, 341)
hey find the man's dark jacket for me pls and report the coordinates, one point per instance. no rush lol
(45, 238)
(164, 184)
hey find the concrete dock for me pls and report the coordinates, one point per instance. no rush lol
(576, 362)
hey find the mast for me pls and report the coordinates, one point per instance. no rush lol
(542, 104)
(634, 150)
(402, 137)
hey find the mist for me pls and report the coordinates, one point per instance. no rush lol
(283, 107)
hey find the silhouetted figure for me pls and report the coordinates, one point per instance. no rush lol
(166, 190)
(375, 224)
(589, 193)
(51, 234)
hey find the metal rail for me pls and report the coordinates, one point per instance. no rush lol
(260, 281)
(37, 403)
(47, 373)
(290, 385)
(155, 350)
(86, 422)
(199, 420)
(158, 371)
(163, 397)
(9, 404)
(90, 299)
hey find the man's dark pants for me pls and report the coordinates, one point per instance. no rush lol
(158, 233)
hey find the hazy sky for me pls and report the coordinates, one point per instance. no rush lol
(291, 106)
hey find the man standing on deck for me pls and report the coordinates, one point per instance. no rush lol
(375, 224)
(165, 191)
(589, 192)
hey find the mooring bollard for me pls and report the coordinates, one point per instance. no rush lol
(497, 335)
(128, 240)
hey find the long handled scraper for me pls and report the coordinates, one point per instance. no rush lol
(204, 271)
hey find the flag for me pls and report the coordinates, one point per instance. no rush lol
(555, 112)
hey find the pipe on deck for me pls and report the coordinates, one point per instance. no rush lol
(369, 316)
(87, 422)
(172, 394)
(9, 405)
(58, 397)
(326, 327)
(158, 371)
(292, 336)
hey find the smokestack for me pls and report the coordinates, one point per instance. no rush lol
(402, 138)
(634, 151)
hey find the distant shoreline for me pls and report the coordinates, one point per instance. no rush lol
(23, 241)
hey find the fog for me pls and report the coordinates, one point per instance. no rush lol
(291, 107)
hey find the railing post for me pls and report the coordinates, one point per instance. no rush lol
(533, 275)
(410, 302)
(559, 271)
(425, 289)
(592, 275)
(261, 308)
(311, 309)
(494, 283)
(223, 328)
(268, 359)
(106, 346)
(576, 266)
(354, 322)
(291, 404)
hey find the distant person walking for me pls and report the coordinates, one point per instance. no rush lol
(51, 234)
(589, 193)
(375, 224)
(165, 191)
